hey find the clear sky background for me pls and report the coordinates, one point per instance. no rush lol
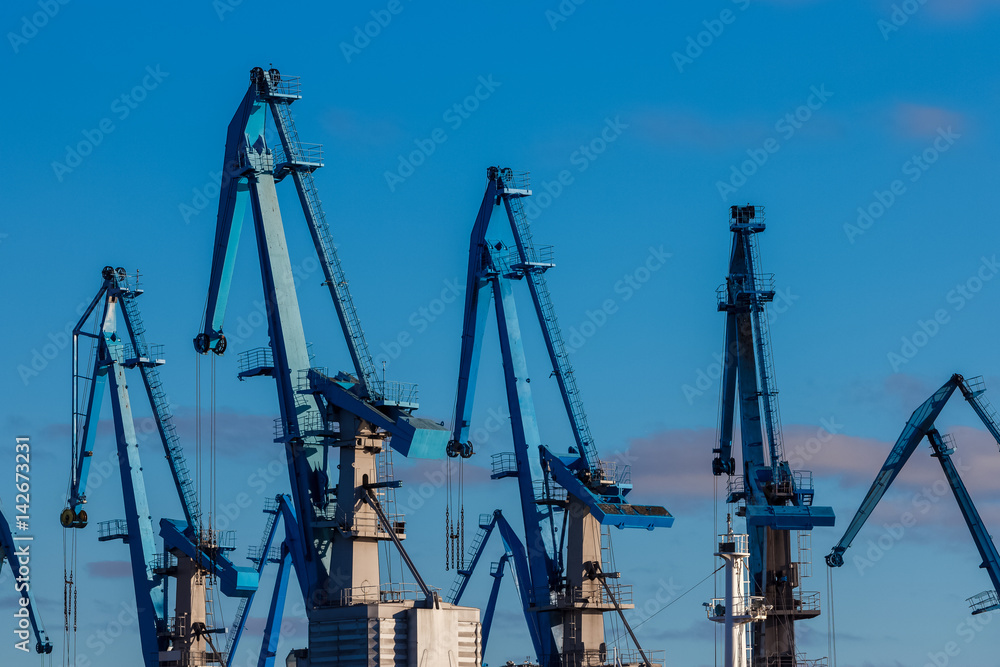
(825, 112)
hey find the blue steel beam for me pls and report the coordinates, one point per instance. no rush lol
(269, 642)
(477, 305)
(515, 550)
(981, 536)
(236, 581)
(17, 553)
(491, 605)
(539, 570)
(466, 573)
(245, 131)
(527, 443)
(532, 270)
(920, 422)
(142, 547)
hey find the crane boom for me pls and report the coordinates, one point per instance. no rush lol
(921, 424)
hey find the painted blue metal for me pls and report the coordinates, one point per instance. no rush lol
(981, 536)
(768, 494)
(538, 569)
(919, 424)
(17, 552)
(110, 364)
(465, 574)
(609, 508)
(269, 644)
(235, 581)
(311, 404)
(162, 416)
(413, 437)
(491, 605)
(514, 549)
(142, 547)
(243, 611)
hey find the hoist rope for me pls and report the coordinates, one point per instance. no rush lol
(831, 620)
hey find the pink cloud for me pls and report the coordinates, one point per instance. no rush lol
(960, 10)
(109, 569)
(921, 121)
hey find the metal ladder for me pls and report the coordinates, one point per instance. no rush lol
(270, 508)
(563, 369)
(768, 386)
(164, 419)
(477, 542)
(336, 279)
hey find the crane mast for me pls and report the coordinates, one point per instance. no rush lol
(566, 493)
(773, 499)
(191, 554)
(335, 428)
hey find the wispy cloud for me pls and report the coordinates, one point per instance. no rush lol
(918, 121)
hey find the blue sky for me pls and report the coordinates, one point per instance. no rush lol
(865, 128)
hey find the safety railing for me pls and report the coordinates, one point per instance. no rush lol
(112, 530)
(622, 594)
(549, 492)
(400, 393)
(163, 563)
(626, 657)
(983, 601)
(504, 463)
(752, 606)
(800, 601)
(258, 357)
(255, 552)
(389, 592)
(302, 154)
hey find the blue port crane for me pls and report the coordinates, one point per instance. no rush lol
(566, 493)
(188, 549)
(920, 425)
(16, 550)
(774, 499)
(333, 427)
